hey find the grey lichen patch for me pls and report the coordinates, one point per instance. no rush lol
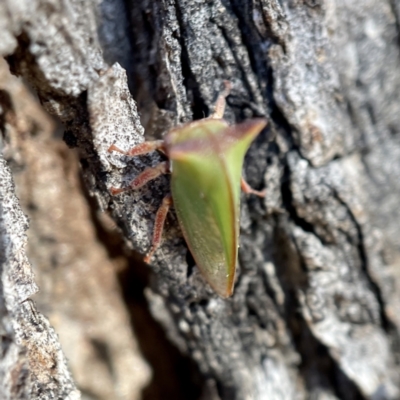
(35, 360)
(114, 117)
(18, 275)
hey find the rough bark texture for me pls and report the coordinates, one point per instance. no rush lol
(316, 308)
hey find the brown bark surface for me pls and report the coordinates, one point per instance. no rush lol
(316, 311)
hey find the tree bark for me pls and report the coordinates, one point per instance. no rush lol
(316, 311)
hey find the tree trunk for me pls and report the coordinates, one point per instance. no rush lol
(316, 308)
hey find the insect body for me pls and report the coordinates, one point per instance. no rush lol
(205, 162)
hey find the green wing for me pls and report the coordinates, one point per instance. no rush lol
(207, 158)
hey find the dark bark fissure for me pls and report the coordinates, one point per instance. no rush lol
(197, 105)
(364, 263)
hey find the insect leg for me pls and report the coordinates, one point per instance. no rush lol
(159, 226)
(147, 175)
(220, 103)
(249, 190)
(142, 148)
